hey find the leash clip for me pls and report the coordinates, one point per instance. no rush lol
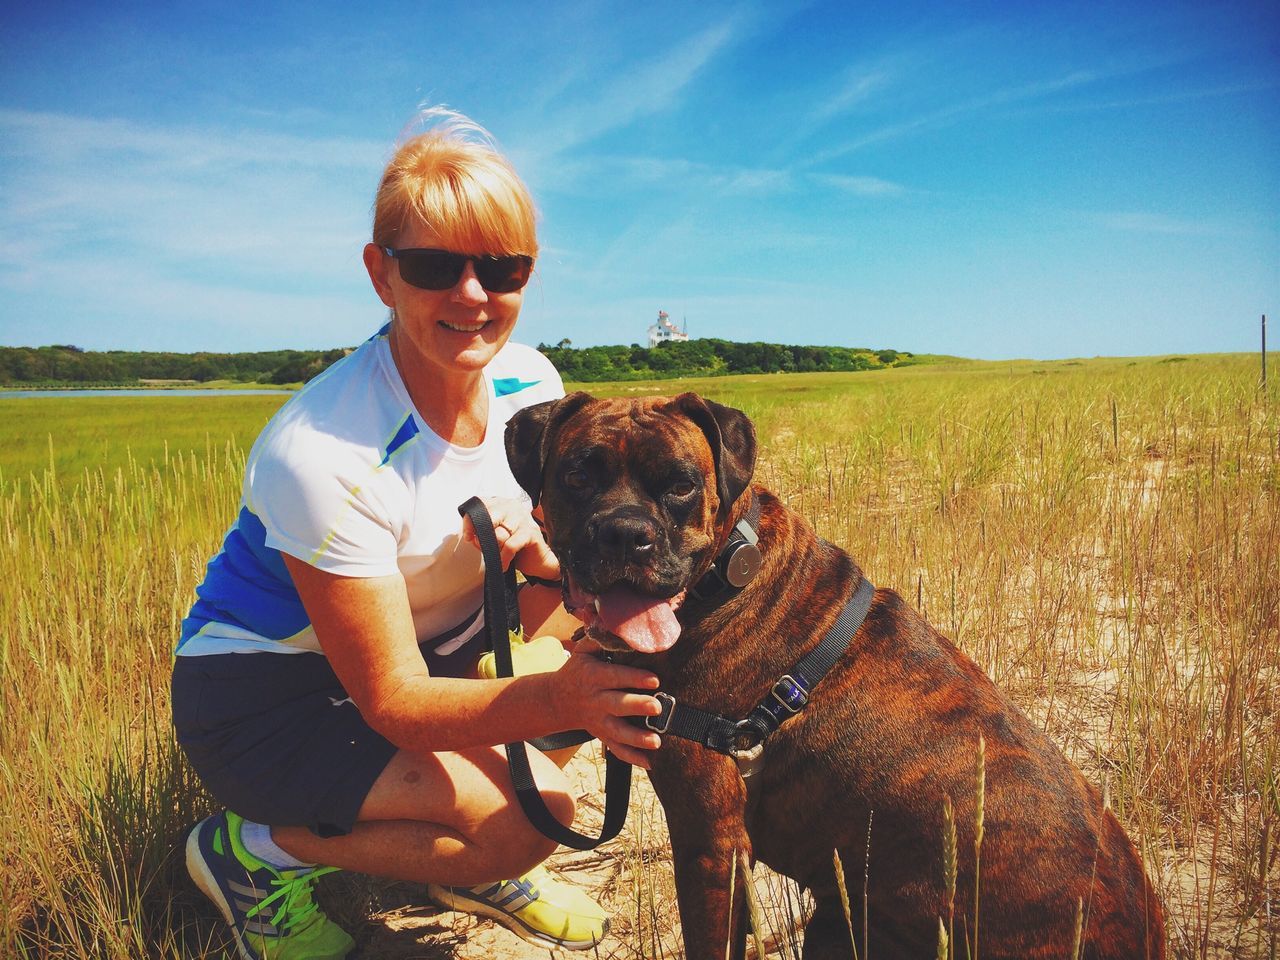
(662, 721)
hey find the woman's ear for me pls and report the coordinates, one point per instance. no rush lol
(379, 266)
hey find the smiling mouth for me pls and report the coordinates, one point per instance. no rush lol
(464, 327)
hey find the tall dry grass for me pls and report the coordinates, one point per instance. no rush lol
(1103, 538)
(96, 571)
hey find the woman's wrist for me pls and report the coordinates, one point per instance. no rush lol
(549, 692)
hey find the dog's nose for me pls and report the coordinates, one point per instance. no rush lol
(627, 538)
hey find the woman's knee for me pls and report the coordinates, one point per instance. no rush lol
(554, 786)
(470, 794)
(526, 843)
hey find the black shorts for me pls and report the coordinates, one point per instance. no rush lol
(275, 737)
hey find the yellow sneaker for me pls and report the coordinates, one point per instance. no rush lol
(537, 907)
(541, 655)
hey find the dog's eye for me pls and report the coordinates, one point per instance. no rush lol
(577, 480)
(682, 488)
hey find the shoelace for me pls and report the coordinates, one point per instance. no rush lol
(292, 890)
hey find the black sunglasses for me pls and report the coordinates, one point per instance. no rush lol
(430, 269)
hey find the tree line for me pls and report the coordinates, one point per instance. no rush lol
(709, 358)
(65, 364)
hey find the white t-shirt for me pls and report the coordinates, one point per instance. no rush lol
(348, 477)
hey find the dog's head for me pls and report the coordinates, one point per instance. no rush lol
(636, 496)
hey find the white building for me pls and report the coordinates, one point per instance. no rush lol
(665, 330)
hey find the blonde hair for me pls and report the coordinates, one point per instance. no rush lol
(453, 179)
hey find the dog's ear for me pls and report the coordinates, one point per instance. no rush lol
(732, 437)
(530, 435)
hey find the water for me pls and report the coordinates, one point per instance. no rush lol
(194, 392)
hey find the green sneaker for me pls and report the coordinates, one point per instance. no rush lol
(536, 907)
(271, 911)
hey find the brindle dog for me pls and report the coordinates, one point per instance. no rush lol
(639, 496)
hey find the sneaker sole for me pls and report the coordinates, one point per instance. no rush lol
(203, 878)
(463, 903)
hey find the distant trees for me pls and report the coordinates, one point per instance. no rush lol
(691, 358)
(68, 364)
(709, 358)
(304, 367)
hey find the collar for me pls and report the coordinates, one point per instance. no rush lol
(738, 561)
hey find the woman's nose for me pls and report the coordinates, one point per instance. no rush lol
(468, 288)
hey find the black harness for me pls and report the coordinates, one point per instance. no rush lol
(744, 740)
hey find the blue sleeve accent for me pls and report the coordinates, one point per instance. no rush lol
(505, 386)
(406, 432)
(247, 585)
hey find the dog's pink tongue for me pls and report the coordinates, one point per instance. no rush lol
(649, 625)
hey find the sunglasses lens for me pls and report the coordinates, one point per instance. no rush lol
(431, 269)
(441, 270)
(503, 274)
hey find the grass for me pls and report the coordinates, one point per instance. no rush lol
(1103, 537)
(72, 435)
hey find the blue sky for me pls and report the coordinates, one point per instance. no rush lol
(977, 179)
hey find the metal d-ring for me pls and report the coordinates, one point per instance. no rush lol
(749, 761)
(748, 748)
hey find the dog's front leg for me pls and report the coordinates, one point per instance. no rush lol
(705, 799)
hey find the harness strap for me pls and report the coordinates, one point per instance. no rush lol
(744, 739)
(501, 614)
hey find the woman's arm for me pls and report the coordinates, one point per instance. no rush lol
(543, 614)
(366, 630)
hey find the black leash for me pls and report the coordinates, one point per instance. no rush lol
(501, 615)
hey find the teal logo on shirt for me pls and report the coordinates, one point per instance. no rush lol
(505, 386)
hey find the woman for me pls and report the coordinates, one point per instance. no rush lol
(323, 688)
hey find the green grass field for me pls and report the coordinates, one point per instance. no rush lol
(70, 435)
(1102, 536)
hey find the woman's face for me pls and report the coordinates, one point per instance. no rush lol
(457, 330)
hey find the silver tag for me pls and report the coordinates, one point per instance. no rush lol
(743, 564)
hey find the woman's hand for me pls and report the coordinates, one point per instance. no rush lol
(598, 696)
(519, 538)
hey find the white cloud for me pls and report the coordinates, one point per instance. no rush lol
(857, 88)
(1139, 222)
(616, 96)
(946, 115)
(590, 173)
(40, 136)
(114, 302)
(861, 186)
(208, 200)
(218, 228)
(1179, 96)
